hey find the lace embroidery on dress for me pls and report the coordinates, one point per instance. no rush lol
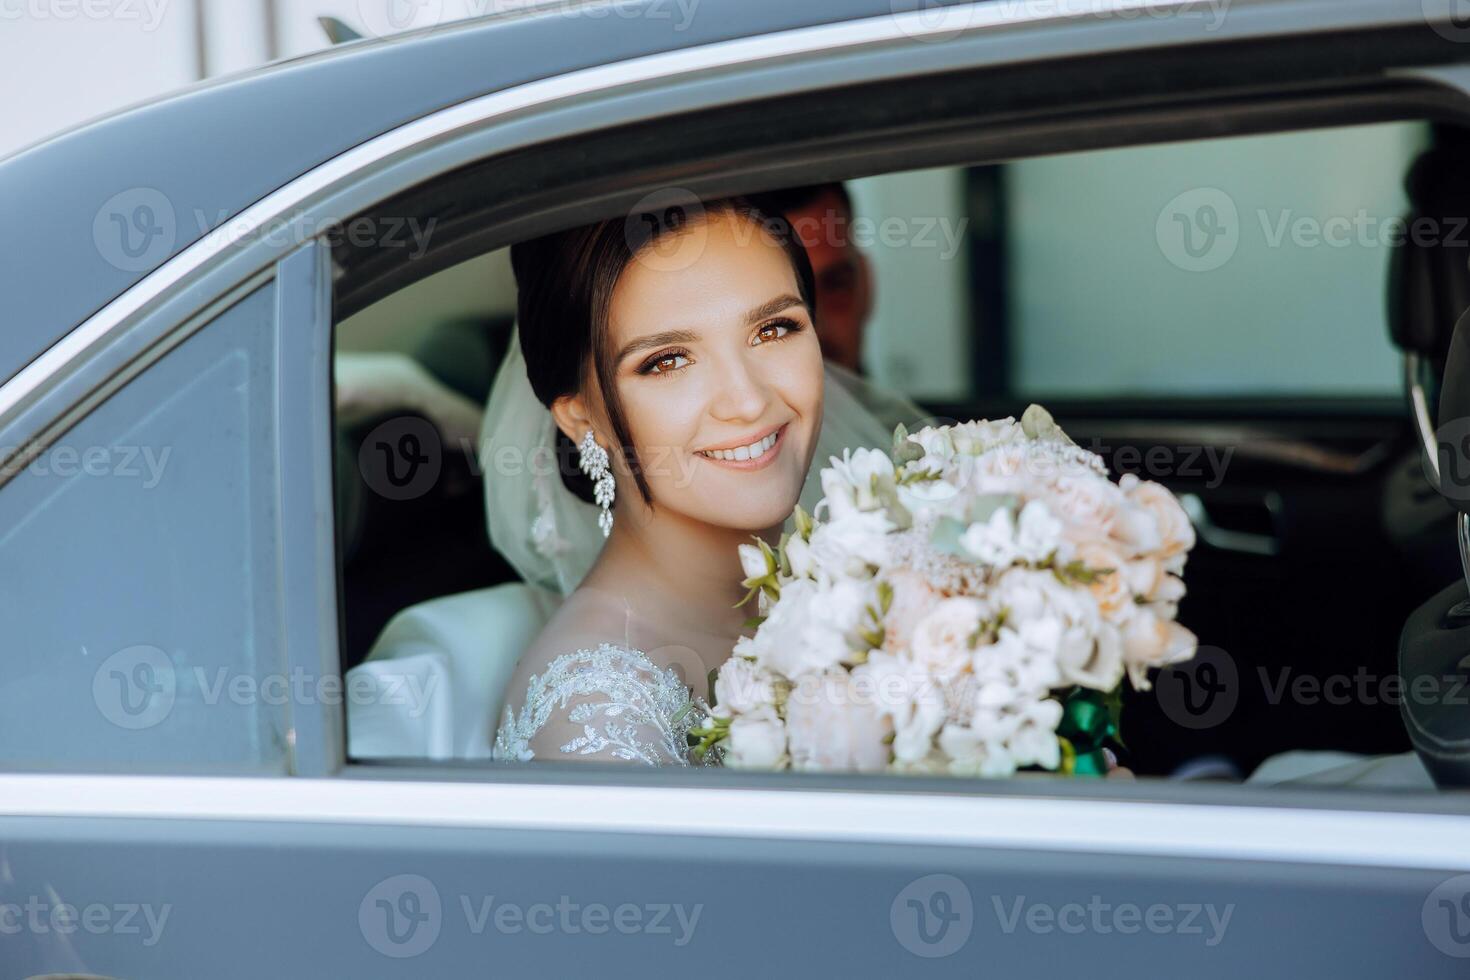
(640, 712)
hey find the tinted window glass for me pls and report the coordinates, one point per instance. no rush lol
(140, 561)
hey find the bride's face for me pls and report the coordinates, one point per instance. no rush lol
(719, 372)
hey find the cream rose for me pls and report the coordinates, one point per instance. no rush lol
(1088, 504)
(1114, 590)
(941, 640)
(831, 725)
(1176, 534)
(913, 598)
(1152, 640)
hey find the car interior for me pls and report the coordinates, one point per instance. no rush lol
(1282, 383)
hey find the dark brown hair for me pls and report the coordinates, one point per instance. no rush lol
(565, 283)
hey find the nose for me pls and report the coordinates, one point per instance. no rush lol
(741, 394)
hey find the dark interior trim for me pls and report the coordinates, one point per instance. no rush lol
(988, 115)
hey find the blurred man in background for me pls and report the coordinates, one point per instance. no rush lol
(821, 215)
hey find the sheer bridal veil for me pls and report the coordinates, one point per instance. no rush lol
(551, 538)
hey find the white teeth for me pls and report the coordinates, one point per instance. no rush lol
(753, 451)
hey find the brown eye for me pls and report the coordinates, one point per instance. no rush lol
(774, 331)
(665, 363)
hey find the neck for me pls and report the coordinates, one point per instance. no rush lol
(692, 569)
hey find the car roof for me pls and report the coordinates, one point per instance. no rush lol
(212, 150)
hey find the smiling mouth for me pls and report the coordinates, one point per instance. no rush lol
(757, 455)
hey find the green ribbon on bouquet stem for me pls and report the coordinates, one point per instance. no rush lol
(1089, 722)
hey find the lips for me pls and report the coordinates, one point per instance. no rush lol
(753, 455)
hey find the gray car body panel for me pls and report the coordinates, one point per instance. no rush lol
(215, 149)
(225, 899)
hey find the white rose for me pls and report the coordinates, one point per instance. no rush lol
(757, 741)
(799, 557)
(993, 541)
(832, 726)
(980, 435)
(1021, 663)
(931, 499)
(838, 493)
(861, 480)
(794, 640)
(935, 442)
(999, 741)
(941, 640)
(1038, 533)
(971, 754)
(849, 544)
(1035, 740)
(1094, 661)
(1031, 593)
(1033, 536)
(842, 604)
(742, 688)
(753, 562)
(871, 473)
(913, 739)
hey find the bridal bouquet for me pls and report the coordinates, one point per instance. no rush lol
(969, 604)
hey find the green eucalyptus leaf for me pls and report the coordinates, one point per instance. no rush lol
(946, 536)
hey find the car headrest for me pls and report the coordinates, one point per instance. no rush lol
(1429, 270)
(1434, 665)
(1452, 432)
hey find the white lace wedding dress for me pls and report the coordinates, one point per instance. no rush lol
(610, 702)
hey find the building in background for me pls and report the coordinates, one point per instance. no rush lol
(136, 50)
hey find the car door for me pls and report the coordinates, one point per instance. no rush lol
(225, 833)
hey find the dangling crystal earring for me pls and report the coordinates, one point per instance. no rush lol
(593, 461)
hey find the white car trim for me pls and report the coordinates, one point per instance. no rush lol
(1254, 833)
(919, 24)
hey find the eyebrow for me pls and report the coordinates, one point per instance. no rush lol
(769, 308)
(656, 340)
(772, 307)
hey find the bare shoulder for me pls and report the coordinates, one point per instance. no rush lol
(585, 622)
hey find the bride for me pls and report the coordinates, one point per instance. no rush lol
(680, 365)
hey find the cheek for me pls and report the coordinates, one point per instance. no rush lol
(662, 415)
(798, 377)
